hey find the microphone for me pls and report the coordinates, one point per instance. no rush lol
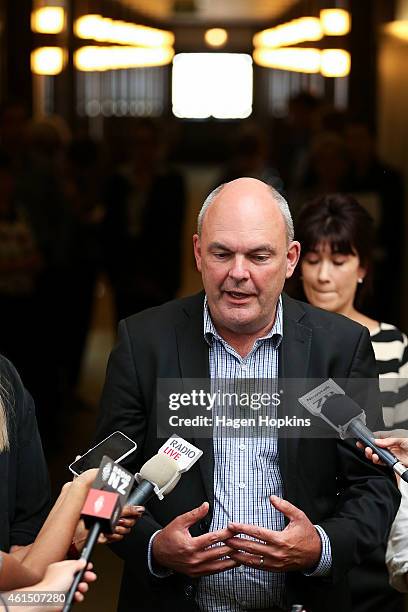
(101, 511)
(329, 402)
(163, 471)
(342, 413)
(159, 475)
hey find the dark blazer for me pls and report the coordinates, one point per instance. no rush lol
(354, 501)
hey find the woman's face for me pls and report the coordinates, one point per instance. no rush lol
(330, 279)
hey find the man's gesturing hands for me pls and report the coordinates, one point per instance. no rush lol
(175, 548)
(297, 547)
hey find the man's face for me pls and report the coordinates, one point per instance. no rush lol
(243, 257)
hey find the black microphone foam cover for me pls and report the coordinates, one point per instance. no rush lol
(340, 409)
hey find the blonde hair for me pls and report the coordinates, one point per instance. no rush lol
(4, 432)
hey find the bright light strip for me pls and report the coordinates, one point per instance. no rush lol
(212, 84)
(103, 29)
(47, 60)
(216, 37)
(92, 59)
(48, 20)
(297, 60)
(335, 22)
(335, 63)
(291, 33)
(399, 29)
(329, 62)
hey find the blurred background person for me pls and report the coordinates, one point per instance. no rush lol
(325, 169)
(336, 234)
(379, 188)
(293, 135)
(82, 181)
(250, 156)
(142, 228)
(36, 234)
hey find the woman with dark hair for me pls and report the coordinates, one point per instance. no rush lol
(336, 234)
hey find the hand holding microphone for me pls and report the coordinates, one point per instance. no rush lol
(395, 441)
(329, 402)
(110, 492)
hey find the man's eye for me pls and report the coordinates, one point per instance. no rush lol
(221, 255)
(260, 258)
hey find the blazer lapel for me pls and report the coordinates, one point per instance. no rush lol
(193, 361)
(293, 364)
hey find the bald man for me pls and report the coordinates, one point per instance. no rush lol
(260, 522)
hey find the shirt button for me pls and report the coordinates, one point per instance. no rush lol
(244, 367)
(242, 485)
(242, 447)
(241, 569)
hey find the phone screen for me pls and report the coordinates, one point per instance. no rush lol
(117, 446)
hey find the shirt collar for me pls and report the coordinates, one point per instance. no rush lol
(276, 333)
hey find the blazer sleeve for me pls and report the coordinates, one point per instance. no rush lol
(29, 488)
(368, 498)
(124, 408)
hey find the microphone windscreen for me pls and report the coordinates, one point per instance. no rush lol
(340, 409)
(160, 469)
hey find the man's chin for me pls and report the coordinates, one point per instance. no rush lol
(240, 320)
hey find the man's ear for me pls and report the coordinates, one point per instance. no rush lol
(293, 255)
(197, 251)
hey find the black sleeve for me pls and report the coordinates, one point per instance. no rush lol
(368, 497)
(28, 481)
(123, 408)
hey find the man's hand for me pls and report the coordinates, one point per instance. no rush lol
(175, 548)
(297, 547)
(395, 441)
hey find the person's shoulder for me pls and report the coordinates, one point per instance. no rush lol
(13, 395)
(390, 344)
(389, 333)
(316, 318)
(9, 377)
(174, 311)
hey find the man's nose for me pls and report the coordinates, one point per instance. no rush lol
(239, 269)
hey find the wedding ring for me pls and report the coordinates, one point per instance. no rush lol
(261, 561)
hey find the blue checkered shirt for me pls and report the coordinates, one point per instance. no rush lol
(246, 473)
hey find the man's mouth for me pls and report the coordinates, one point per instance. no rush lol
(238, 295)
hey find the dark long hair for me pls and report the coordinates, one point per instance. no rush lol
(340, 221)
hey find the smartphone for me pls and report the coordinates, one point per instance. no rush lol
(117, 446)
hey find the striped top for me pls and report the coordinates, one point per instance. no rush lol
(391, 353)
